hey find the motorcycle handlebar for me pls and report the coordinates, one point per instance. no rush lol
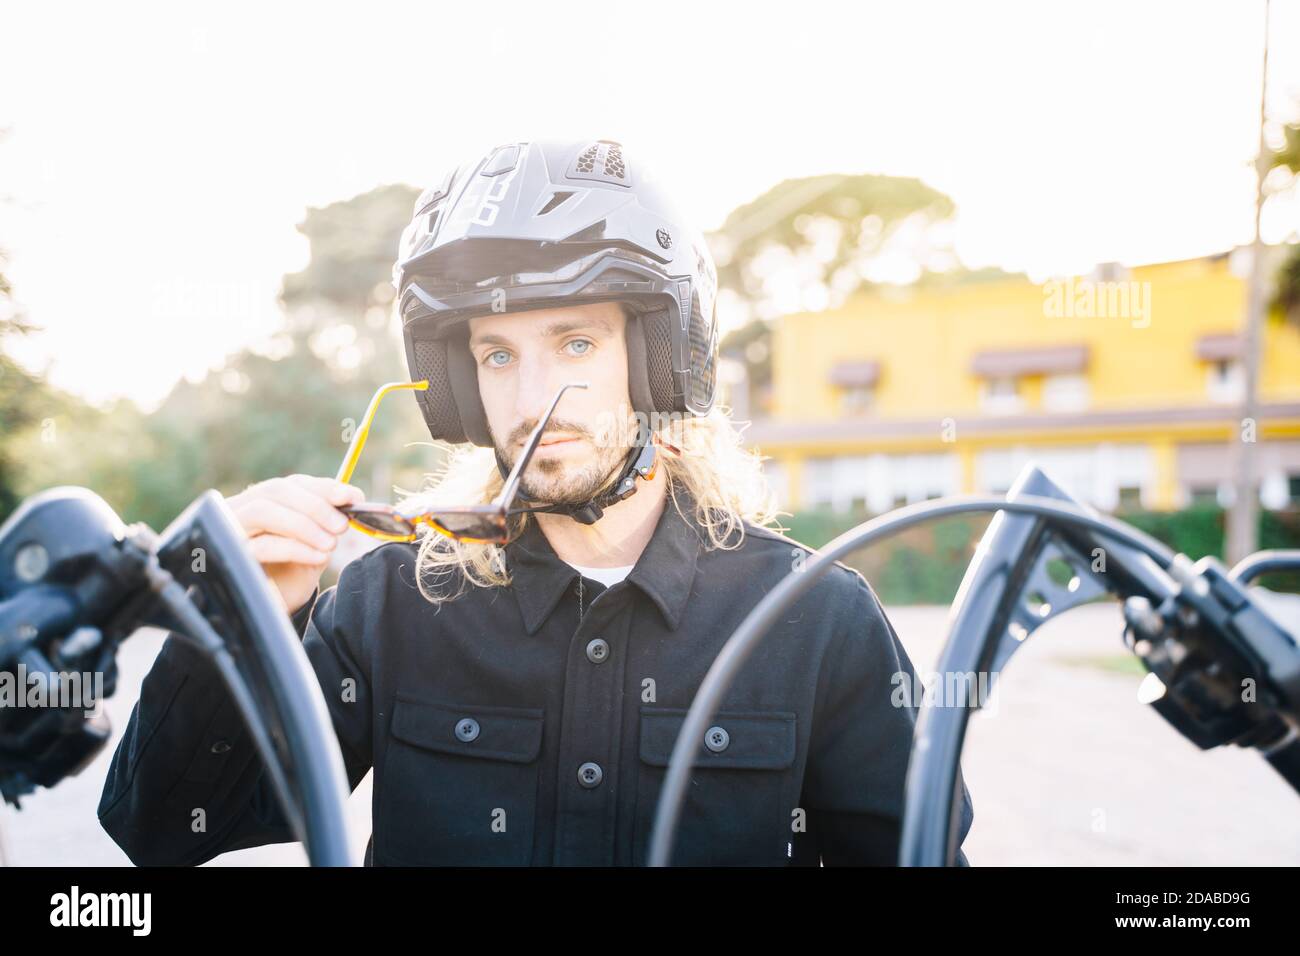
(66, 561)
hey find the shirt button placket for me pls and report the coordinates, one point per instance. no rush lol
(590, 739)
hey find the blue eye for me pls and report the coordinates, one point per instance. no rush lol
(488, 358)
(583, 342)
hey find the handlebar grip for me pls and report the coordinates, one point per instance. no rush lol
(31, 614)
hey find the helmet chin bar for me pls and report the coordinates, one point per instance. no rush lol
(639, 463)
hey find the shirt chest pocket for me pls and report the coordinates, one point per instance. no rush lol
(459, 785)
(739, 802)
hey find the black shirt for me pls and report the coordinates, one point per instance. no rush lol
(532, 724)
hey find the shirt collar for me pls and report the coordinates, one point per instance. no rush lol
(664, 572)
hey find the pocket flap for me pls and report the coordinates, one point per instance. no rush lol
(755, 740)
(502, 733)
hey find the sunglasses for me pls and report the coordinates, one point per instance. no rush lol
(475, 524)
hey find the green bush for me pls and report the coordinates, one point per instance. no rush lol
(1202, 530)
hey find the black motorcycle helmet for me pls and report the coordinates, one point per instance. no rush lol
(544, 224)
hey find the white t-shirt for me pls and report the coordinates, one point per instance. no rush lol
(606, 576)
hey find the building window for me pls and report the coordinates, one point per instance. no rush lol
(850, 483)
(873, 484)
(1227, 494)
(1065, 393)
(818, 484)
(778, 480)
(856, 400)
(1226, 381)
(1274, 490)
(1130, 498)
(1107, 475)
(1001, 396)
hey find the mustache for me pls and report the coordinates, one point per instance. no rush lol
(520, 434)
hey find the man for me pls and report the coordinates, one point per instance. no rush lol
(518, 703)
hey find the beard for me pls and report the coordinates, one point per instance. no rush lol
(572, 483)
(569, 480)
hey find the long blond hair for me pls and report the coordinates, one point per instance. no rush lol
(724, 481)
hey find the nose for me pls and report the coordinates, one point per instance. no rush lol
(536, 387)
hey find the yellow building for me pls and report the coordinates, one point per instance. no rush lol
(1124, 385)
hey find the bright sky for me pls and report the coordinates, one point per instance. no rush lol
(159, 156)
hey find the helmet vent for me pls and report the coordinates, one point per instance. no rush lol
(614, 161)
(601, 161)
(555, 200)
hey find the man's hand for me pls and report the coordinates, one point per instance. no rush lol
(292, 525)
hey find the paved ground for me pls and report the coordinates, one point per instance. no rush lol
(1071, 769)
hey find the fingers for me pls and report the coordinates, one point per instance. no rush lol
(277, 549)
(313, 500)
(316, 498)
(294, 520)
(265, 515)
(335, 492)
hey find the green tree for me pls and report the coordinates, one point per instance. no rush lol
(1286, 295)
(812, 242)
(291, 406)
(837, 224)
(341, 306)
(22, 398)
(288, 405)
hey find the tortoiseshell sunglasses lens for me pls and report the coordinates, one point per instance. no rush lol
(380, 519)
(476, 527)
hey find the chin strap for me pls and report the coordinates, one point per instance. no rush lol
(641, 462)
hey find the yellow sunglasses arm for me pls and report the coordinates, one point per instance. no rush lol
(363, 431)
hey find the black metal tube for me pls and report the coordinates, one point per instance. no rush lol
(196, 626)
(1263, 562)
(276, 669)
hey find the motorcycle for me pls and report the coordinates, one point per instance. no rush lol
(75, 582)
(1223, 657)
